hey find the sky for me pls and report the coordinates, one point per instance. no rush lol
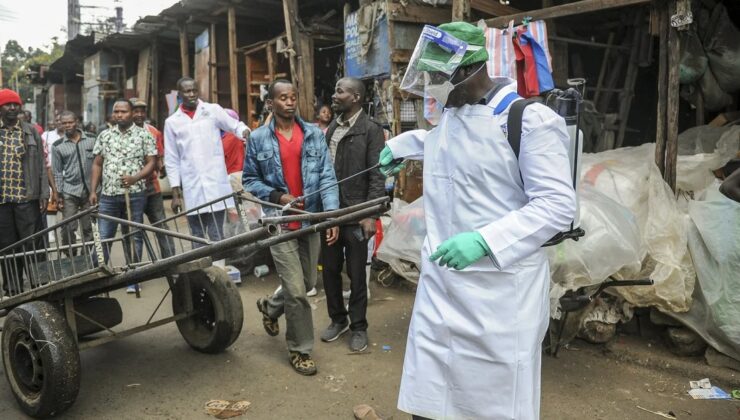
(34, 22)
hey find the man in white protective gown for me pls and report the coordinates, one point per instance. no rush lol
(481, 310)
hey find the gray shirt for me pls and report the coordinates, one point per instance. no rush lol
(72, 165)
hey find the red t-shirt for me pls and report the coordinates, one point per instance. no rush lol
(290, 156)
(159, 141)
(187, 112)
(233, 153)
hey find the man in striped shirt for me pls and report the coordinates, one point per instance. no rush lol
(72, 166)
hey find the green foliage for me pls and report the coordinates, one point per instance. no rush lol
(16, 61)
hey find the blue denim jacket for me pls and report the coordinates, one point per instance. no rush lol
(263, 170)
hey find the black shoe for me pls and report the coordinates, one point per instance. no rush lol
(358, 341)
(271, 325)
(334, 331)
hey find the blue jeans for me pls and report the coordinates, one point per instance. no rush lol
(115, 205)
(154, 211)
(211, 224)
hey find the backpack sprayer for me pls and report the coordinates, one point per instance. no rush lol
(567, 104)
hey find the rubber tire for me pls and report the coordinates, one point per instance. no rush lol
(37, 333)
(220, 315)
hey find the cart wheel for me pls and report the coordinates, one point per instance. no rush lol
(41, 359)
(218, 316)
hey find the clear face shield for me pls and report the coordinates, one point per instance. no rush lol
(433, 64)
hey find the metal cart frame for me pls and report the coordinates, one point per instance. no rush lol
(48, 323)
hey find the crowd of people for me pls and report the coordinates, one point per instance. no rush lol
(204, 152)
(481, 308)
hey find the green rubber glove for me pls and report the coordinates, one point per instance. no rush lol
(461, 250)
(386, 163)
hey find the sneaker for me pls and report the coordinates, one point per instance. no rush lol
(302, 363)
(313, 292)
(358, 341)
(334, 331)
(132, 289)
(271, 326)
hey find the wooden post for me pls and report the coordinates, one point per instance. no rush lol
(306, 89)
(184, 57)
(271, 60)
(300, 60)
(154, 74)
(394, 93)
(558, 50)
(661, 112)
(604, 64)
(213, 63)
(569, 9)
(460, 10)
(233, 74)
(248, 77)
(700, 109)
(625, 97)
(64, 88)
(674, 58)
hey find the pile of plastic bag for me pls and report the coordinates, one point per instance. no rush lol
(714, 241)
(635, 229)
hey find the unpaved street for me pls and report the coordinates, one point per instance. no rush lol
(156, 375)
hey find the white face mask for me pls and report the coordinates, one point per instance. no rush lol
(433, 110)
(440, 92)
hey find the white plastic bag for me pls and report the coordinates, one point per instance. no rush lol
(668, 263)
(403, 239)
(714, 241)
(612, 243)
(701, 150)
(630, 177)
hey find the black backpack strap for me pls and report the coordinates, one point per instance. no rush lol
(514, 124)
(514, 135)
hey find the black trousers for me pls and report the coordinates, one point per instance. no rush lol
(351, 244)
(19, 221)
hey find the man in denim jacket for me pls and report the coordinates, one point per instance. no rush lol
(287, 159)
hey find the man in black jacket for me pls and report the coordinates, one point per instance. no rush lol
(355, 143)
(24, 189)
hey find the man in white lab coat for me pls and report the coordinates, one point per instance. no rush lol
(194, 159)
(481, 309)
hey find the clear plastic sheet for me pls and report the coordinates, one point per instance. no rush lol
(402, 241)
(612, 244)
(714, 242)
(630, 177)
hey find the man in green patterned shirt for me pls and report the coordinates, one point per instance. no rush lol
(125, 155)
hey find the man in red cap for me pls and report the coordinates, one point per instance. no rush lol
(24, 185)
(154, 209)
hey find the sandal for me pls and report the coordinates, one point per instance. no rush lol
(302, 363)
(272, 328)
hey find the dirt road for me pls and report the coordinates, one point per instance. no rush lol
(156, 375)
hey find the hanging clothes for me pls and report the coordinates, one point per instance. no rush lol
(502, 61)
(541, 61)
(526, 68)
(500, 46)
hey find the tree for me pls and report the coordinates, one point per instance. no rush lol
(13, 57)
(16, 61)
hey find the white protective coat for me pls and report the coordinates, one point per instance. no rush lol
(474, 343)
(194, 154)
